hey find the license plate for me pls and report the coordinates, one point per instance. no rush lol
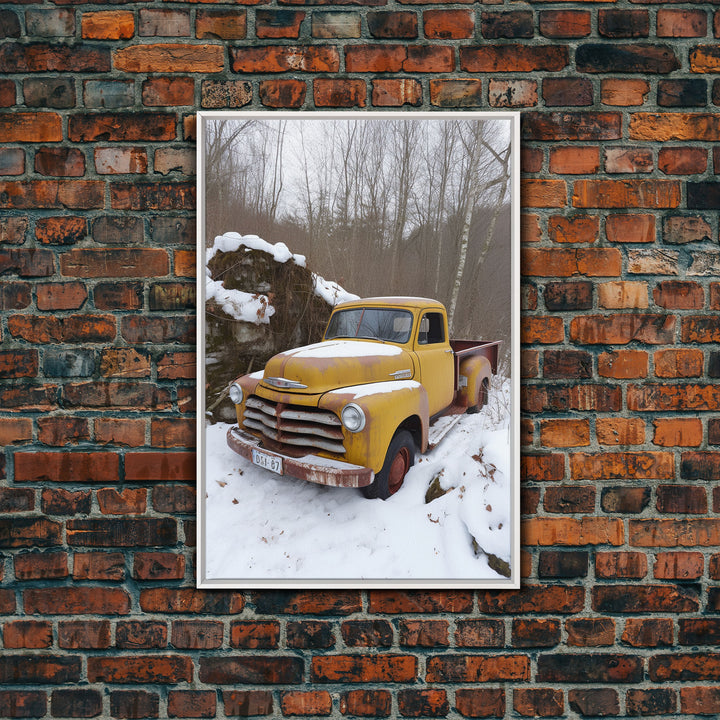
(269, 462)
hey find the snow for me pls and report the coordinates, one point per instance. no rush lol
(358, 391)
(331, 292)
(259, 525)
(253, 307)
(344, 348)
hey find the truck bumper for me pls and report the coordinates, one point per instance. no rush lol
(312, 468)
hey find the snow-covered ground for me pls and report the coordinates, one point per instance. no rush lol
(259, 525)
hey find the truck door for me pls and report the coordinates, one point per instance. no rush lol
(436, 361)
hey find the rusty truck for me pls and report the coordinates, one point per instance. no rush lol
(352, 410)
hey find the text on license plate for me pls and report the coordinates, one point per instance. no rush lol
(269, 462)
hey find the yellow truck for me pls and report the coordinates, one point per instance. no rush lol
(352, 410)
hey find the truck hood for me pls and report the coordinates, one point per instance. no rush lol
(334, 364)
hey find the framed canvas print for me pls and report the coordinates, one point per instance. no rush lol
(358, 349)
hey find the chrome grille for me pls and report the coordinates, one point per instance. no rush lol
(294, 424)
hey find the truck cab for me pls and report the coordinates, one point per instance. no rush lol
(353, 409)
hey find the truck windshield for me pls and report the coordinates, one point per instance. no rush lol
(373, 323)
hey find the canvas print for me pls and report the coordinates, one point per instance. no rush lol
(358, 349)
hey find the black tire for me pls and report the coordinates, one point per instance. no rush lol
(399, 458)
(482, 398)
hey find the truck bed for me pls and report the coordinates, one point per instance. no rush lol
(467, 348)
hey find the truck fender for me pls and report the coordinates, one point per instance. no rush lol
(387, 407)
(472, 372)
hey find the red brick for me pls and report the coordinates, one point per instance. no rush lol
(254, 635)
(570, 499)
(678, 566)
(535, 633)
(52, 194)
(58, 501)
(679, 295)
(590, 632)
(513, 58)
(191, 703)
(76, 601)
(197, 634)
(699, 700)
(531, 161)
(389, 25)
(423, 703)
(84, 634)
(565, 262)
(654, 632)
(312, 702)
(190, 601)
(681, 23)
(30, 127)
(629, 193)
(480, 702)
(169, 58)
(242, 669)
(121, 127)
(221, 24)
(542, 330)
(622, 465)
(131, 501)
(539, 468)
(564, 23)
(651, 701)
(111, 160)
(423, 633)
(60, 162)
(124, 362)
(564, 432)
(168, 91)
(620, 329)
(575, 160)
(396, 92)
(573, 92)
(27, 634)
(477, 668)
(620, 565)
(134, 704)
(152, 196)
(367, 633)
(98, 566)
(114, 263)
(62, 430)
(41, 566)
(248, 702)
(366, 703)
(682, 160)
(61, 296)
(623, 364)
(108, 25)
(333, 92)
(630, 228)
(479, 633)
(134, 634)
(679, 362)
(684, 532)
(282, 93)
(73, 467)
(120, 431)
(174, 498)
(533, 599)
(575, 229)
(448, 24)
(538, 702)
(456, 93)
(628, 160)
(671, 432)
(624, 93)
(390, 601)
(572, 531)
(168, 669)
(280, 58)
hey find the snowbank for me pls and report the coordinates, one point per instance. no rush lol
(261, 525)
(254, 307)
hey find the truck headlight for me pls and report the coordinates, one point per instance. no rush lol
(236, 393)
(353, 418)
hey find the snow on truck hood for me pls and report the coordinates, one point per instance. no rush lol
(337, 364)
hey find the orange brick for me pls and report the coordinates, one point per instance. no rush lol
(623, 364)
(678, 565)
(542, 330)
(624, 93)
(630, 228)
(679, 362)
(566, 432)
(572, 531)
(168, 57)
(574, 160)
(622, 294)
(543, 193)
(626, 193)
(620, 431)
(575, 229)
(108, 25)
(530, 228)
(682, 432)
(681, 23)
(117, 431)
(15, 430)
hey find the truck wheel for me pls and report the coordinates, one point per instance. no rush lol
(481, 399)
(398, 460)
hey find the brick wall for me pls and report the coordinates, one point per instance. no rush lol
(621, 432)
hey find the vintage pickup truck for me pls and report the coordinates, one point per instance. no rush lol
(352, 410)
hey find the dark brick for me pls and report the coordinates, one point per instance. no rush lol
(624, 23)
(535, 633)
(624, 500)
(310, 634)
(125, 532)
(600, 702)
(392, 24)
(108, 93)
(568, 295)
(567, 364)
(653, 701)
(134, 704)
(9, 24)
(590, 668)
(39, 669)
(23, 703)
(608, 58)
(703, 195)
(568, 564)
(51, 92)
(367, 633)
(682, 93)
(76, 703)
(517, 24)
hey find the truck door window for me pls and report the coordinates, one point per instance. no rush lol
(432, 329)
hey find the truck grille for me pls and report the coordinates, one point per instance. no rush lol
(294, 424)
